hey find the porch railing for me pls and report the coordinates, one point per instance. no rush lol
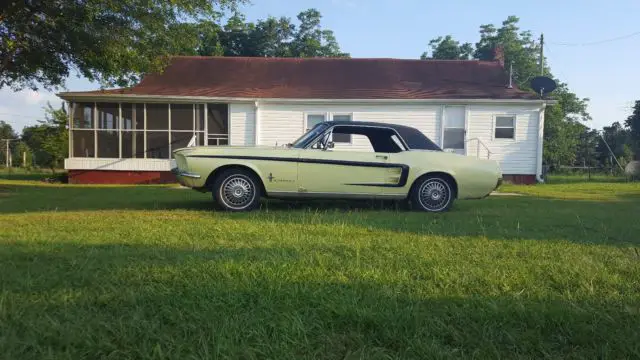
(218, 139)
(480, 144)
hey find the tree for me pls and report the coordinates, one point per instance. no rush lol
(561, 131)
(6, 131)
(310, 40)
(520, 49)
(446, 48)
(271, 37)
(588, 139)
(25, 160)
(49, 141)
(633, 124)
(618, 139)
(112, 42)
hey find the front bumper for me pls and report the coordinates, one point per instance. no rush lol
(175, 171)
(185, 178)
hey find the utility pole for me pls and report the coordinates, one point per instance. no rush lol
(8, 153)
(541, 54)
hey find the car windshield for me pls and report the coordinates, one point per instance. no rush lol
(309, 135)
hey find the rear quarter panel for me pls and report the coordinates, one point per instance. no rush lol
(475, 178)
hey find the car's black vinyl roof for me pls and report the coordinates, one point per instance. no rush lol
(412, 136)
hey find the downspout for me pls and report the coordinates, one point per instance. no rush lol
(257, 128)
(540, 144)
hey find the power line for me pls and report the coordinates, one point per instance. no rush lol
(599, 41)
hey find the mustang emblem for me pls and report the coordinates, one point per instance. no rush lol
(272, 178)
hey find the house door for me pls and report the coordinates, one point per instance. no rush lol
(454, 129)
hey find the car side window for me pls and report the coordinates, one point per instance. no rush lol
(397, 141)
(322, 142)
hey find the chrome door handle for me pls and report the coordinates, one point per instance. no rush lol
(385, 157)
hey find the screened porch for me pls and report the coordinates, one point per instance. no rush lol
(129, 130)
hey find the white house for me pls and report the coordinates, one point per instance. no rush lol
(127, 135)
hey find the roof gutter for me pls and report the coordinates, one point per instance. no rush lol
(80, 96)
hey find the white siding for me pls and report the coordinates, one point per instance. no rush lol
(242, 124)
(118, 164)
(283, 123)
(516, 156)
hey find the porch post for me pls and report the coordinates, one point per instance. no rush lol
(70, 106)
(206, 125)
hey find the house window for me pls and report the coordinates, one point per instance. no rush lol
(454, 128)
(313, 120)
(341, 138)
(505, 127)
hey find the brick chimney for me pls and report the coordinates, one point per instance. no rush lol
(498, 54)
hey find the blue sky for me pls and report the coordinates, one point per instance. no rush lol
(608, 73)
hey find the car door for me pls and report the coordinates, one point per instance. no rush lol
(342, 172)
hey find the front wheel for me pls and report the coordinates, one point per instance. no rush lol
(432, 194)
(237, 190)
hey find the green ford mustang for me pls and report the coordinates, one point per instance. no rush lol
(404, 165)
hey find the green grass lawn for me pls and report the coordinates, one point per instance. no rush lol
(36, 174)
(151, 272)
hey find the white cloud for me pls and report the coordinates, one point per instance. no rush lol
(26, 107)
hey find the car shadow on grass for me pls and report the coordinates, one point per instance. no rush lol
(502, 218)
(124, 301)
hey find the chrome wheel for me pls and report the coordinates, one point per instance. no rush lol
(434, 194)
(237, 192)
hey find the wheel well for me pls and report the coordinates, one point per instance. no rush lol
(450, 179)
(212, 177)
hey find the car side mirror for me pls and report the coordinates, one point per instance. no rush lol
(330, 145)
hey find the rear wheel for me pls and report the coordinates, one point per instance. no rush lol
(432, 194)
(237, 190)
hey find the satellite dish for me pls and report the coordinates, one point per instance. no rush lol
(543, 85)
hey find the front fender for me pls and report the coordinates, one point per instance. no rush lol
(209, 168)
